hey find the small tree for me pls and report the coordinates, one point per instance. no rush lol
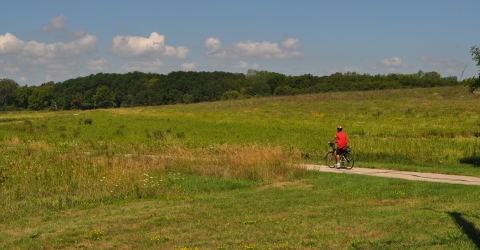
(474, 83)
(188, 98)
(476, 54)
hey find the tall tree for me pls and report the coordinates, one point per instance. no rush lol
(21, 96)
(474, 83)
(7, 92)
(39, 99)
(76, 102)
(104, 97)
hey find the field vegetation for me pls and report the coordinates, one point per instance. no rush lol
(228, 175)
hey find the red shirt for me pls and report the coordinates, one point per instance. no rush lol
(341, 139)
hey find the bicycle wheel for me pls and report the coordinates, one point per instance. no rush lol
(330, 159)
(349, 161)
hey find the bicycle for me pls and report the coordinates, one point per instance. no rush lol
(346, 159)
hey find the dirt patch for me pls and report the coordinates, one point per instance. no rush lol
(289, 184)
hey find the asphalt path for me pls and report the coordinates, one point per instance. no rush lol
(414, 176)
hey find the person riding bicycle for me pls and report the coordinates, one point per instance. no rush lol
(342, 142)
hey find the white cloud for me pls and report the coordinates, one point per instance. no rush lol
(392, 62)
(291, 43)
(78, 34)
(56, 23)
(448, 66)
(245, 65)
(190, 66)
(51, 59)
(63, 68)
(440, 63)
(145, 66)
(84, 45)
(11, 70)
(265, 50)
(48, 78)
(46, 60)
(452, 72)
(213, 43)
(10, 44)
(135, 46)
(33, 49)
(23, 79)
(181, 52)
(100, 64)
(9, 67)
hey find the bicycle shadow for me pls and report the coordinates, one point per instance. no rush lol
(474, 160)
(467, 227)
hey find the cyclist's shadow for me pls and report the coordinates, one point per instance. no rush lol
(467, 227)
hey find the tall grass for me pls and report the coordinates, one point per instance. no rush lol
(36, 175)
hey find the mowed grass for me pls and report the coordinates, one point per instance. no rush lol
(225, 175)
(318, 211)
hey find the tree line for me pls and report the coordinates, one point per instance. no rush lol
(133, 89)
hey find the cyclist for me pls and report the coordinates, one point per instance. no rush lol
(342, 142)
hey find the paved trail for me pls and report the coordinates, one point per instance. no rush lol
(453, 179)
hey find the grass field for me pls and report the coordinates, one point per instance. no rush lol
(222, 175)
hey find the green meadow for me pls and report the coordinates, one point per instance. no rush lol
(228, 175)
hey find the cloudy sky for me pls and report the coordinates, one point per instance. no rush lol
(55, 40)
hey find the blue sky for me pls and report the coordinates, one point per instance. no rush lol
(48, 40)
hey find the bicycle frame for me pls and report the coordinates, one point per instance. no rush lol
(346, 159)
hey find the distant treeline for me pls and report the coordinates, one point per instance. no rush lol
(107, 90)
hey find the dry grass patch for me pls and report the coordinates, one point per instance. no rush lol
(289, 184)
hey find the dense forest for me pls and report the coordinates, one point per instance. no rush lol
(110, 90)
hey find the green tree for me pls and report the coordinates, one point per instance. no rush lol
(283, 90)
(231, 95)
(188, 98)
(76, 101)
(474, 83)
(42, 97)
(476, 54)
(21, 96)
(88, 99)
(7, 92)
(104, 98)
(174, 96)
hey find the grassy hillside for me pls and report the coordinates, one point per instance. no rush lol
(220, 175)
(428, 128)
